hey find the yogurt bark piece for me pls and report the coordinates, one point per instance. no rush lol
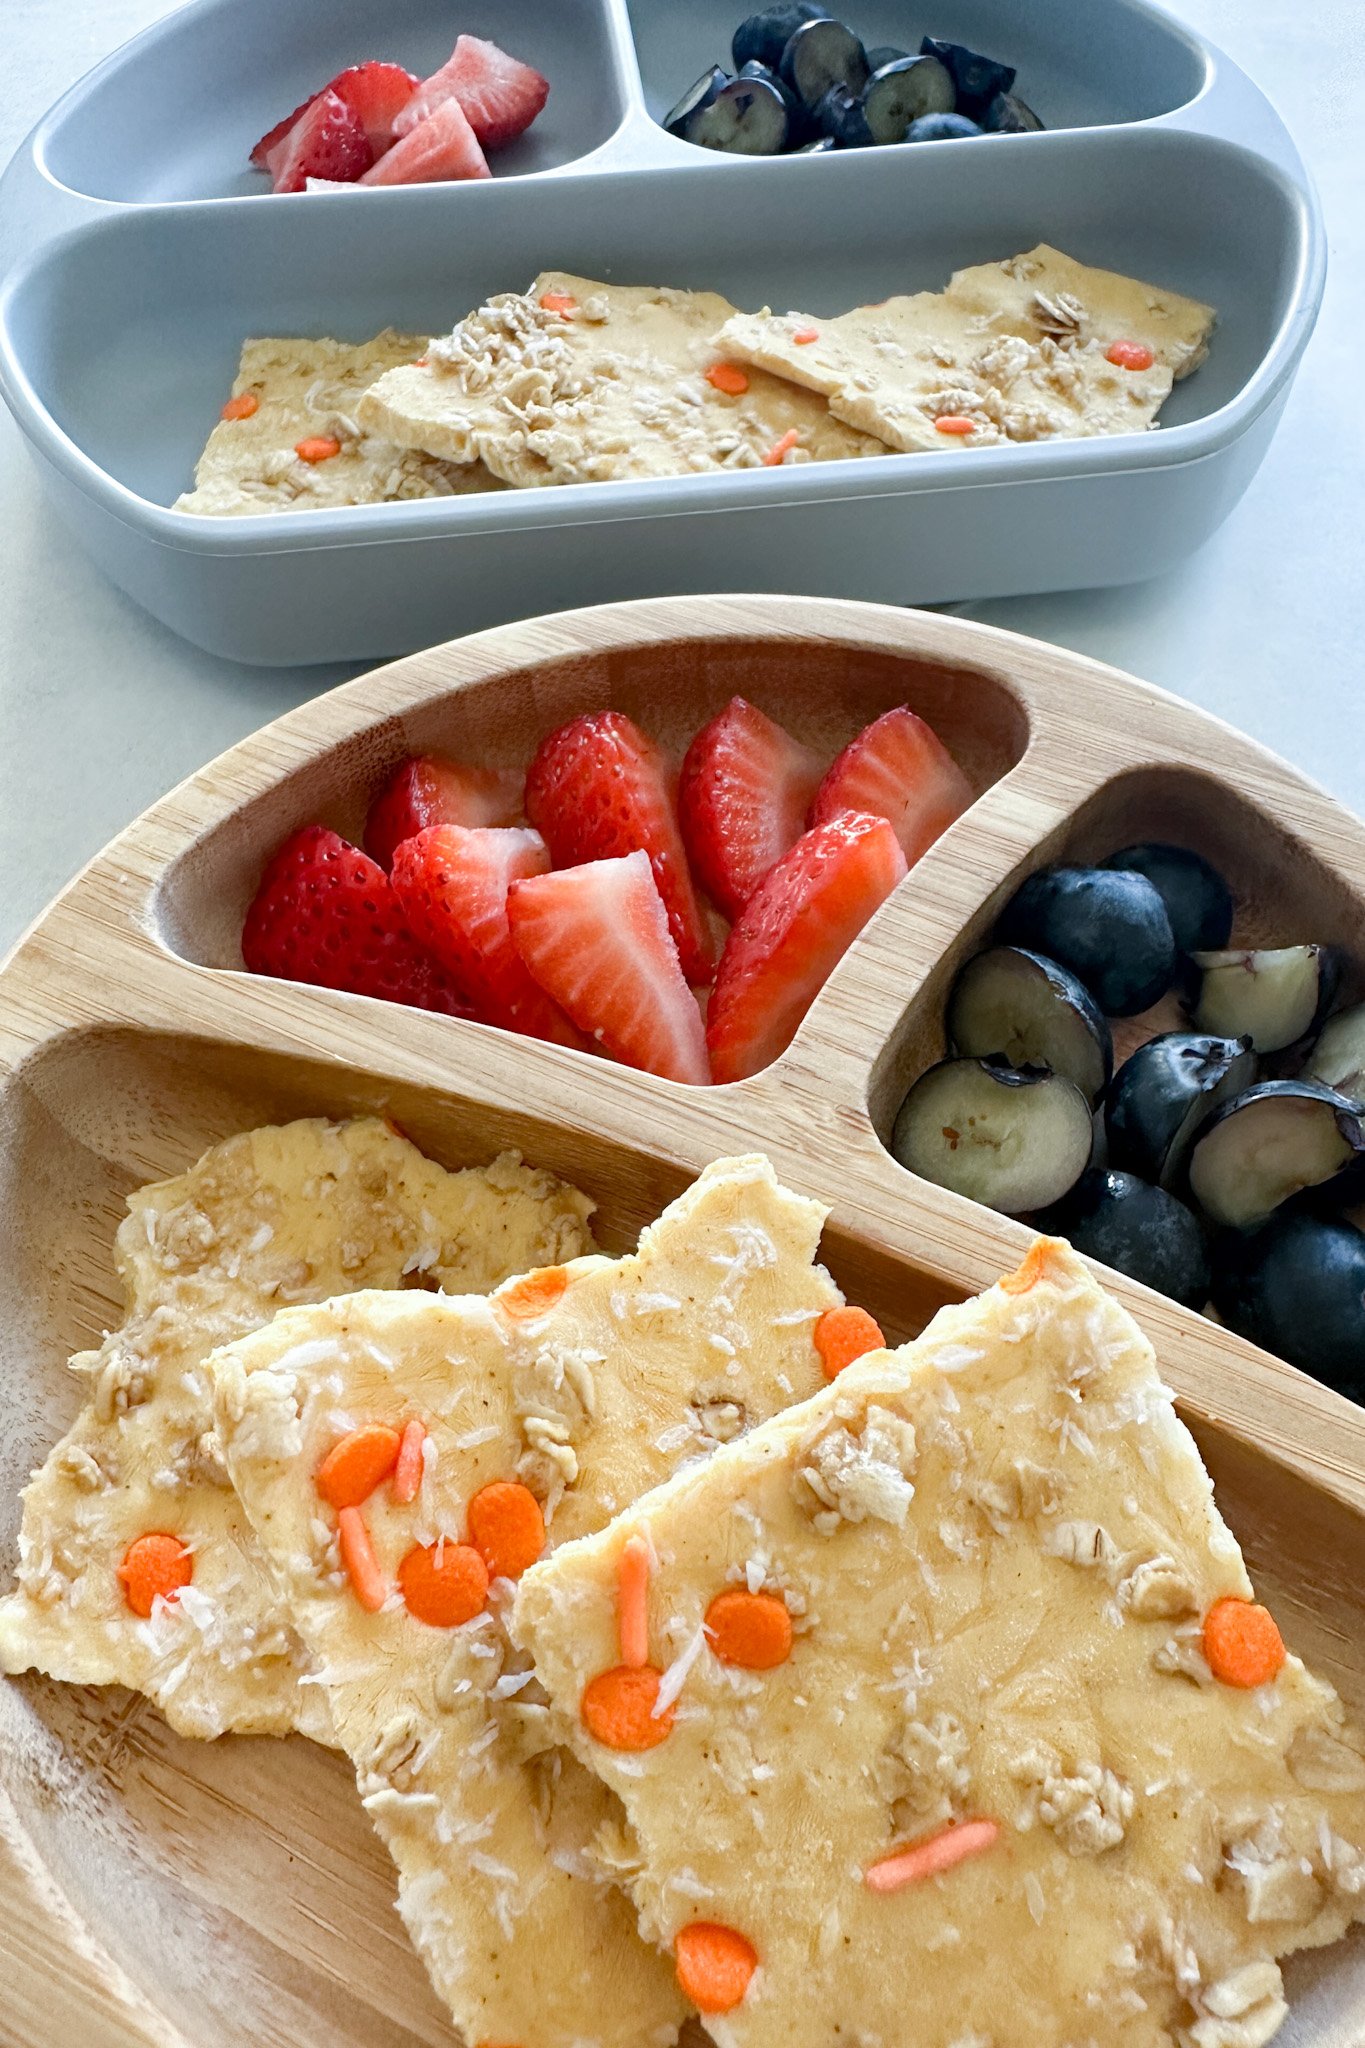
(541, 1412)
(580, 382)
(288, 1213)
(1012, 351)
(291, 391)
(1031, 1766)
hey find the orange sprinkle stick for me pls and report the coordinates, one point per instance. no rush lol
(1242, 1645)
(562, 303)
(632, 1603)
(1129, 355)
(154, 1567)
(241, 407)
(729, 378)
(781, 448)
(932, 1857)
(317, 447)
(714, 1965)
(535, 1294)
(407, 1471)
(804, 336)
(1036, 1262)
(954, 423)
(362, 1566)
(843, 1334)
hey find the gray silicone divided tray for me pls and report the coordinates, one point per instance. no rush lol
(150, 252)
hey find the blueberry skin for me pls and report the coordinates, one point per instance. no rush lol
(763, 37)
(978, 79)
(1296, 1287)
(1198, 901)
(941, 128)
(1163, 1091)
(1109, 926)
(840, 117)
(1138, 1230)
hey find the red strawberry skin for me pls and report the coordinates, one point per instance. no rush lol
(440, 150)
(375, 92)
(452, 883)
(324, 913)
(425, 790)
(792, 934)
(500, 95)
(745, 790)
(597, 789)
(897, 768)
(597, 939)
(327, 141)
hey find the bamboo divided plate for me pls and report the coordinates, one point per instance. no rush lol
(157, 1893)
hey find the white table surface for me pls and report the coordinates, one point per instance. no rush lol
(101, 709)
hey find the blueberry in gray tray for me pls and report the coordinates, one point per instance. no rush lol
(942, 128)
(694, 100)
(885, 53)
(747, 117)
(821, 146)
(821, 54)
(902, 92)
(841, 120)
(978, 79)
(1137, 1229)
(1297, 1287)
(1108, 926)
(1007, 114)
(798, 117)
(763, 37)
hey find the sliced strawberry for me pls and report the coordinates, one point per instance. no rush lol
(271, 140)
(438, 150)
(327, 141)
(792, 933)
(746, 787)
(598, 788)
(324, 913)
(897, 768)
(597, 939)
(427, 790)
(452, 883)
(376, 92)
(500, 95)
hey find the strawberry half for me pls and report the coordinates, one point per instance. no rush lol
(597, 939)
(437, 151)
(500, 95)
(324, 913)
(452, 883)
(327, 141)
(598, 788)
(746, 787)
(377, 93)
(897, 768)
(792, 934)
(426, 790)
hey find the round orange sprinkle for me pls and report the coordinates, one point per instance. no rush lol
(805, 335)
(317, 448)
(617, 1708)
(444, 1584)
(1242, 1644)
(562, 303)
(241, 407)
(357, 1463)
(1034, 1267)
(506, 1527)
(154, 1567)
(781, 448)
(954, 423)
(843, 1334)
(535, 1294)
(714, 1965)
(1130, 355)
(753, 1630)
(728, 377)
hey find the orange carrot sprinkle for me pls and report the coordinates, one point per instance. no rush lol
(632, 1602)
(241, 407)
(1036, 1261)
(1130, 355)
(803, 336)
(362, 1566)
(954, 423)
(506, 1527)
(535, 1294)
(617, 1708)
(714, 1965)
(420, 362)
(780, 448)
(444, 1584)
(932, 1857)
(317, 447)
(1242, 1644)
(563, 303)
(728, 377)
(407, 1472)
(357, 1463)
(843, 1334)
(753, 1630)
(154, 1567)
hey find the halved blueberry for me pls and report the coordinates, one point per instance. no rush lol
(885, 53)
(696, 98)
(1198, 901)
(1162, 1094)
(821, 54)
(941, 128)
(978, 79)
(902, 92)
(763, 37)
(1338, 1058)
(1273, 997)
(1028, 1011)
(747, 117)
(840, 117)
(1271, 1142)
(1137, 1229)
(1297, 1287)
(1017, 1139)
(1007, 114)
(796, 113)
(1109, 928)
